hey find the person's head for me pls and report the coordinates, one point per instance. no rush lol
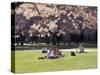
(82, 47)
(57, 49)
(50, 50)
(47, 47)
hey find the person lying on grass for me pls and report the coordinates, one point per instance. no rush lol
(51, 55)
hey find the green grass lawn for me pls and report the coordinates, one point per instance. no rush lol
(27, 61)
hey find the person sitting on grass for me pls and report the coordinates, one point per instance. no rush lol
(51, 54)
(45, 50)
(58, 53)
(81, 49)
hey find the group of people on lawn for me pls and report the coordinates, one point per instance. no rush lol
(54, 52)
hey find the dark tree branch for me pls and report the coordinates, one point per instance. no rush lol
(36, 9)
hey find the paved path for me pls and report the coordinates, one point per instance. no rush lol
(60, 49)
(77, 50)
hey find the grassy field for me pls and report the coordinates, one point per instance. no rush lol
(27, 61)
